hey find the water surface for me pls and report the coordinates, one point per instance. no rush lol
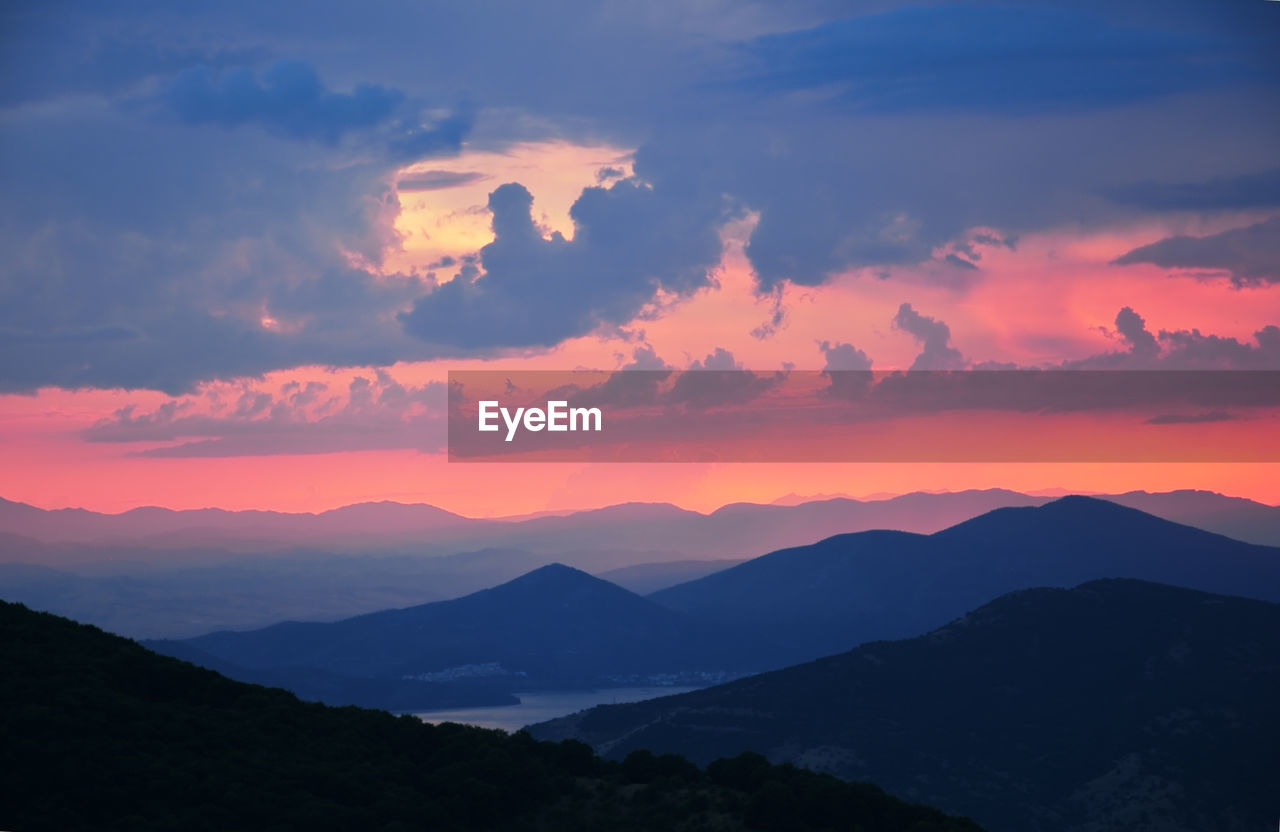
(544, 705)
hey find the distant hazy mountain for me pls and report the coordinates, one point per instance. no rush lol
(362, 691)
(211, 526)
(181, 600)
(1231, 516)
(554, 627)
(794, 499)
(1118, 705)
(173, 574)
(831, 595)
(102, 734)
(182, 583)
(733, 532)
(644, 578)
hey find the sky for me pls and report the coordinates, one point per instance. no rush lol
(243, 245)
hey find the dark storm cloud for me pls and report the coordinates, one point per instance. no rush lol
(960, 58)
(835, 193)
(959, 262)
(149, 253)
(42, 58)
(1229, 193)
(14, 336)
(535, 292)
(287, 97)
(1191, 418)
(1250, 256)
(874, 140)
(436, 180)
(128, 265)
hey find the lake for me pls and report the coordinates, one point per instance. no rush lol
(544, 705)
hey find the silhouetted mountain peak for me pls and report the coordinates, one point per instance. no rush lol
(1080, 516)
(555, 582)
(554, 575)
(846, 589)
(555, 568)
(1026, 604)
(1086, 507)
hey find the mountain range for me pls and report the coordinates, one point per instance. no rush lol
(560, 628)
(1116, 705)
(555, 627)
(156, 573)
(735, 530)
(839, 592)
(1141, 699)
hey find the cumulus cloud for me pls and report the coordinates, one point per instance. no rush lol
(847, 369)
(635, 383)
(1132, 327)
(934, 337)
(628, 245)
(720, 359)
(376, 413)
(1182, 349)
(843, 357)
(646, 358)
(1249, 256)
(718, 380)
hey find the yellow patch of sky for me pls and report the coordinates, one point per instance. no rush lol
(444, 202)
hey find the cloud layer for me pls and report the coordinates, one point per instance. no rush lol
(213, 195)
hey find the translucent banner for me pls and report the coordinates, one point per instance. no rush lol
(864, 416)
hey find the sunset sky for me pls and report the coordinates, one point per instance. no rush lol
(244, 245)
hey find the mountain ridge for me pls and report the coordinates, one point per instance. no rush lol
(1112, 705)
(103, 734)
(828, 596)
(389, 521)
(555, 626)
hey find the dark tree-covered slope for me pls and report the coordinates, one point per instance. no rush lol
(1117, 705)
(98, 733)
